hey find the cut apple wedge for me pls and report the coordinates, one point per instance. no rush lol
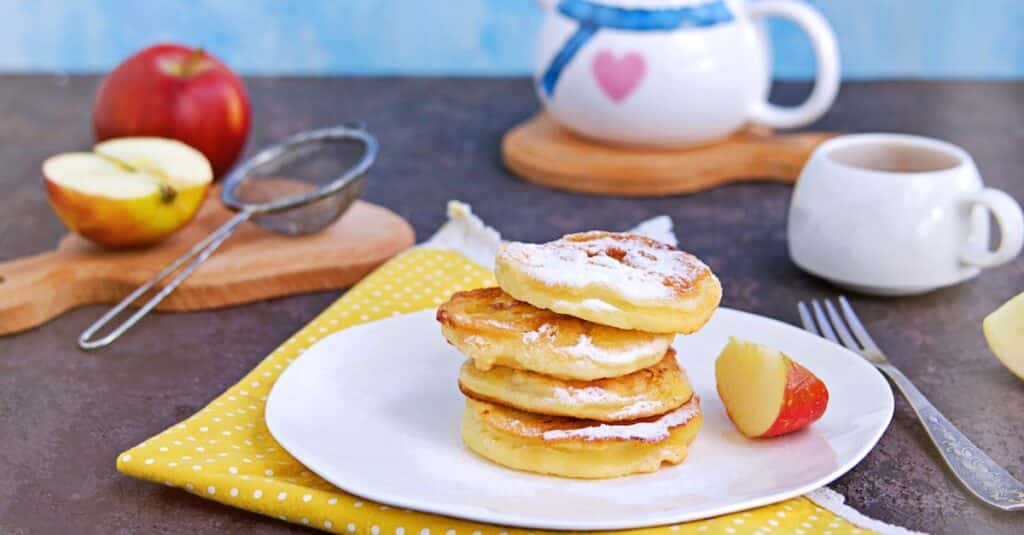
(1004, 331)
(130, 191)
(765, 392)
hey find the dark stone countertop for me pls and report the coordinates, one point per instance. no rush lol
(64, 415)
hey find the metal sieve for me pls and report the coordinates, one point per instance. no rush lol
(285, 206)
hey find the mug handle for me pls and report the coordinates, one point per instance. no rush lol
(1010, 220)
(826, 54)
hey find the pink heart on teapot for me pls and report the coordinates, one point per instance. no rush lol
(618, 77)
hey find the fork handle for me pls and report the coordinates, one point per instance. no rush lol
(976, 470)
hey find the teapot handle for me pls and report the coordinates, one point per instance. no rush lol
(826, 55)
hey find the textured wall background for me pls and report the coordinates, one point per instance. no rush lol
(878, 38)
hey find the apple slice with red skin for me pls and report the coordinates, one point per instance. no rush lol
(765, 392)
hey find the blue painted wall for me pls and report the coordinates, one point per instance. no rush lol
(878, 38)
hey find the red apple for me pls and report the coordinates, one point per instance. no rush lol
(765, 392)
(176, 92)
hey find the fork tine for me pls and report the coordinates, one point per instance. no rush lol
(805, 318)
(856, 325)
(840, 326)
(826, 328)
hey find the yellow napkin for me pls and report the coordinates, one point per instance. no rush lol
(225, 453)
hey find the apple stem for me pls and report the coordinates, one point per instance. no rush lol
(167, 192)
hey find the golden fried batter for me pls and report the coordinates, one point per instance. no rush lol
(648, 392)
(492, 328)
(578, 448)
(621, 280)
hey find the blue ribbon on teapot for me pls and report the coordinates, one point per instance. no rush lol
(593, 16)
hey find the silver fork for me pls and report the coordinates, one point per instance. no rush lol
(977, 471)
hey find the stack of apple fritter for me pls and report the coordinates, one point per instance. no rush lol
(571, 370)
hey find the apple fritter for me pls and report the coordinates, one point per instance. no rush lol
(621, 280)
(569, 447)
(644, 393)
(492, 328)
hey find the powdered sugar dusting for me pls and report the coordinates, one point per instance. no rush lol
(545, 329)
(585, 349)
(597, 305)
(588, 396)
(584, 396)
(635, 409)
(498, 324)
(633, 265)
(655, 431)
(478, 341)
(584, 344)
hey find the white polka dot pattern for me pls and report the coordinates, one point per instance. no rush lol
(260, 476)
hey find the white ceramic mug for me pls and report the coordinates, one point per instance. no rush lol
(894, 214)
(672, 72)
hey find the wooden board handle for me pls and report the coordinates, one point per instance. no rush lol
(37, 288)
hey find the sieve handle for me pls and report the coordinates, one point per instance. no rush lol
(200, 251)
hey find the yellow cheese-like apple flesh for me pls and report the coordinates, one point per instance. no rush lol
(765, 392)
(1004, 331)
(129, 192)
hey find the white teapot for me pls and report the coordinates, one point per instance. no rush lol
(672, 72)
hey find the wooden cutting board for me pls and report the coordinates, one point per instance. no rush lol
(540, 151)
(253, 264)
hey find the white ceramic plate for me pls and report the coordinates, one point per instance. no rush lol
(375, 410)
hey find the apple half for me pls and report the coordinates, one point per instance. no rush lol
(1004, 332)
(765, 392)
(128, 192)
